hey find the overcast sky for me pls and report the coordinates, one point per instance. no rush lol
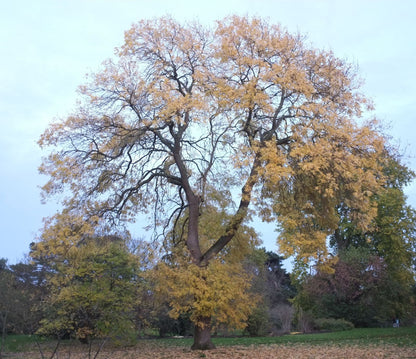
(47, 47)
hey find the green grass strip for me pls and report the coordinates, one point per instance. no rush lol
(361, 337)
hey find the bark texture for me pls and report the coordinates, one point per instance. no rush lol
(202, 335)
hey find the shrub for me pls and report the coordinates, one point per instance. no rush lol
(333, 325)
(281, 317)
(258, 322)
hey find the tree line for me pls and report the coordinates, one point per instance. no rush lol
(105, 290)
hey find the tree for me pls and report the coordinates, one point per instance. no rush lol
(272, 284)
(20, 295)
(280, 289)
(21, 290)
(359, 290)
(7, 296)
(246, 109)
(392, 236)
(93, 284)
(220, 291)
(30, 290)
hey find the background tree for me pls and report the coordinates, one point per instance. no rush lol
(392, 237)
(272, 284)
(21, 291)
(30, 288)
(356, 291)
(373, 279)
(7, 297)
(247, 109)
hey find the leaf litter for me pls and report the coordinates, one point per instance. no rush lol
(295, 351)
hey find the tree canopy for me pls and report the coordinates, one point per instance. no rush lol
(93, 286)
(245, 111)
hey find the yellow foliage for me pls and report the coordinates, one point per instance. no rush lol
(61, 235)
(220, 291)
(246, 108)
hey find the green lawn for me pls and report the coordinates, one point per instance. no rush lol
(403, 337)
(362, 336)
(16, 343)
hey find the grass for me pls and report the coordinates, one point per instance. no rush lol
(17, 343)
(405, 336)
(362, 338)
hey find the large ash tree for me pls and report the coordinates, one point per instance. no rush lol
(245, 109)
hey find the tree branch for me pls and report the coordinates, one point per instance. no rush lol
(238, 218)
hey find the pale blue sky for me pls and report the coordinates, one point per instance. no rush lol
(47, 47)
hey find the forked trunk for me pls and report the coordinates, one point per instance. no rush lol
(202, 335)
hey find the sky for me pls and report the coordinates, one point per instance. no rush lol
(48, 46)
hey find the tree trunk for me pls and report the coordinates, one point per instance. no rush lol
(202, 335)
